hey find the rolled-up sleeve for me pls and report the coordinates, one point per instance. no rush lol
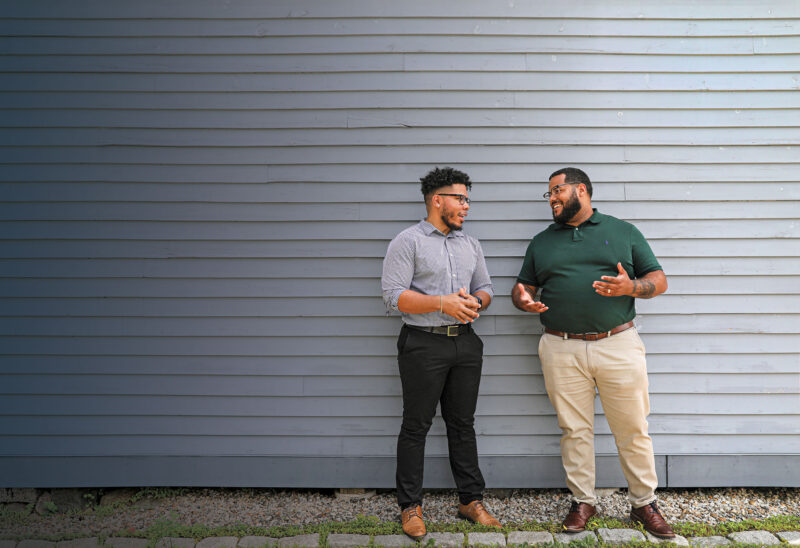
(480, 278)
(398, 270)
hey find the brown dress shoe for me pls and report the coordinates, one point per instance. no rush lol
(413, 525)
(653, 521)
(579, 514)
(476, 511)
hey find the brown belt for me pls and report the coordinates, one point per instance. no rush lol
(590, 336)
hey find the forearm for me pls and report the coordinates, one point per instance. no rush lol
(413, 302)
(650, 285)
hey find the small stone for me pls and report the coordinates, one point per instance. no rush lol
(175, 542)
(486, 539)
(790, 537)
(305, 541)
(566, 538)
(679, 540)
(256, 542)
(446, 540)
(715, 540)
(125, 542)
(530, 538)
(78, 543)
(392, 541)
(765, 538)
(347, 541)
(36, 544)
(619, 536)
(218, 542)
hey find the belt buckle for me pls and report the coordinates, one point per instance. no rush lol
(449, 327)
(591, 336)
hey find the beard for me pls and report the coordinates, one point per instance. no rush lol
(449, 214)
(568, 209)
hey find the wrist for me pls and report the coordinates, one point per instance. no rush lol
(480, 301)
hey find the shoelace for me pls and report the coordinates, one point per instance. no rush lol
(574, 507)
(413, 511)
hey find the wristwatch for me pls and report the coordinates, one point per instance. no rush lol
(480, 301)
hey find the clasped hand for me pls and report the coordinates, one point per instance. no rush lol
(461, 305)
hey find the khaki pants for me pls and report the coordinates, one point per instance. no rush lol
(616, 366)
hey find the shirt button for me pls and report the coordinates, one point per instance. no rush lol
(454, 275)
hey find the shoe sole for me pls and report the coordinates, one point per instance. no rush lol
(637, 519)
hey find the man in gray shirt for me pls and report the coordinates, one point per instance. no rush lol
(436, 276)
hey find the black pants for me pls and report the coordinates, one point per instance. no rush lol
(447, 370)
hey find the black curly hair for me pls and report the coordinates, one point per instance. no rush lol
(443, 176)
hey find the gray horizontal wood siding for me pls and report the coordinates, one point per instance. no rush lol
(195, 199)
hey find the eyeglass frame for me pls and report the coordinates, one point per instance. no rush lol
(549, 193)
(461, 198)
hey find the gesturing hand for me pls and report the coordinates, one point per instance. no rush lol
(614, 286)
(461, 306)
(526, 301)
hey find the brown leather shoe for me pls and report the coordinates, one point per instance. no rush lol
(413, 525)
(653, 521)
(579, 514)
(476, 511)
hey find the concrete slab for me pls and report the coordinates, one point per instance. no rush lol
(8, 543)
(790, 537)
(679, 540)
(531, 538)
(445, 540)
(175, 542)
(486, 539)
(36, 544)
(347, 541)
(256, 542)
(218, 542)
(90, 542)
(715, 540)
(566, 538)
(619, 536)
(301, 541)
(125, 542)
(392, 541)
(764, 538)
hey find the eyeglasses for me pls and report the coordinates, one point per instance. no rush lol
(556, 190)
(461, 198)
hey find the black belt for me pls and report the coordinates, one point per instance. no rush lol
(449, 330)
(590, 336)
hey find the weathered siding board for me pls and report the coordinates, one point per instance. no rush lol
(196, 198)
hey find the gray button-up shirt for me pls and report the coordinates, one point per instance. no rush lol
(424, 260)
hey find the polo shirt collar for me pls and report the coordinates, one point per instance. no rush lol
(595, 219)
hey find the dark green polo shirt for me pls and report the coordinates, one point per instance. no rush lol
(564, 261)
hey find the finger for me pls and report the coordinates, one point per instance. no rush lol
(610, 278)
(621, 270)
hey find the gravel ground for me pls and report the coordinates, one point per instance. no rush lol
(267, 507)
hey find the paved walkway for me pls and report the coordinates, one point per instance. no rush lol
(445, 540)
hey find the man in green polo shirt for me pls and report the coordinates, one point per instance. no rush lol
(590, 267)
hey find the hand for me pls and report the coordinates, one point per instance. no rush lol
(461, 306)
(614, 286)
(526, 302)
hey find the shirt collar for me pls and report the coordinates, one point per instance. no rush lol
(428, 229)
(595, 219)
